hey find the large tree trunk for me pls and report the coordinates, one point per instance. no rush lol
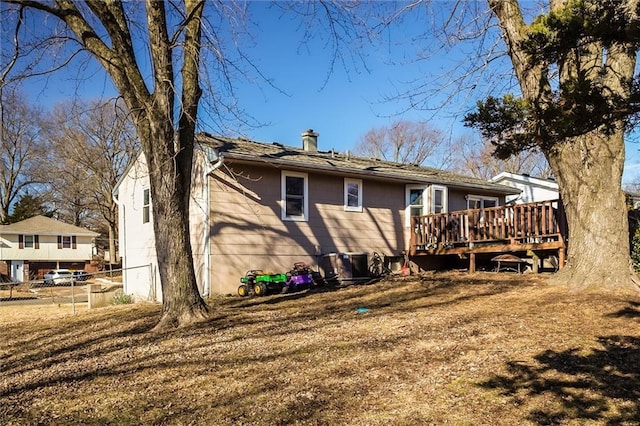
(588, 166)
(589, 174)
(181, 301)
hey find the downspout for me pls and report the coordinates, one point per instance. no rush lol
(124, 239)
(207, 225)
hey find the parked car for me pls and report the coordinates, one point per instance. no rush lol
(81, 275)
(58, 277)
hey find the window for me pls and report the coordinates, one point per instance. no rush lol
(28, 241)
(438, 199)
(423, 200)
(295, 202)
(353, 195)
(66, 241)
(145, 205)
(415, 202)
(480, 202)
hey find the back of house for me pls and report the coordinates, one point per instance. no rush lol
(258, 206)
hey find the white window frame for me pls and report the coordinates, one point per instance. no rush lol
(67, 241)
(146, 205)
(407, 212)
(445, 196)
(305, 196)
(347, 183)
(428, 200)
(482, 199)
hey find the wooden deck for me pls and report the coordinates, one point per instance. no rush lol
(534, 228)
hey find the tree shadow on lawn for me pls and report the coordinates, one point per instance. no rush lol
(425, 286)
(631, 311)
(602, 386)
(335, 304)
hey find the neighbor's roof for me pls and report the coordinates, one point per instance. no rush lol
(331, 162)
(41, 225)
(505, 178)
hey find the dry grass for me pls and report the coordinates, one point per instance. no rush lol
(482, 349)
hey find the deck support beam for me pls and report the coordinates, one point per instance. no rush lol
(535, 261)
(472, 262)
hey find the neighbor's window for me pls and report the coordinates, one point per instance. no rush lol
(66, 241)
(295, 202)
(481, 202)
(28, 241)
(353, 195)
(145, 205)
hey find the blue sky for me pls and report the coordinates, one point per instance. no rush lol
(341, 104)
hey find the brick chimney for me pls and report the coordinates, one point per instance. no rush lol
(310, 140)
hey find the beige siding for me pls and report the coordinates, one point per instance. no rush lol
(248, 232)
(48, 250)
(458, 201)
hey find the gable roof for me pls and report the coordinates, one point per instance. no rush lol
(506, 178)
(243, 150)
(41, 225)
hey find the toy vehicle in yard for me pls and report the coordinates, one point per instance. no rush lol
(259, 283)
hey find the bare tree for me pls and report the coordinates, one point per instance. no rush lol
(21, 149)
(474, 156)
(98, 140)
(141, 49)
(403, 141)
(164, 108)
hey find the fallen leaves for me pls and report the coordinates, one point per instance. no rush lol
(444, 348)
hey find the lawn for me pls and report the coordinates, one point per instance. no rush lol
(481, 349)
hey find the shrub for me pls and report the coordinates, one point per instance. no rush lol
(122, 299)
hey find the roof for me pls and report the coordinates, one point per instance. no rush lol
(41, 225)
(276, 154)
(526, 180)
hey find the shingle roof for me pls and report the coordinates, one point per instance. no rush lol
(330, 162)
(41, 225)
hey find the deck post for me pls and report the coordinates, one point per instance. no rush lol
(472, 262)
(561, 257)
(535, 261)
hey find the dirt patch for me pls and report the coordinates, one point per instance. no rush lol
(442, 349)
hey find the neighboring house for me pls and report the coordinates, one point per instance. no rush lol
(633, 200)
(532, 189)
(31, 247)
(267, 206)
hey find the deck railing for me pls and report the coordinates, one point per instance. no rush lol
(530, 223)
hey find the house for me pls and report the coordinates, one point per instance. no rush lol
(33, 246)
(532, 188)
(266, 206)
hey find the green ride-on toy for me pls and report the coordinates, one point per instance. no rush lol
(257, 282)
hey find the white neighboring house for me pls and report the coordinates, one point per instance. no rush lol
(532, 189)
(140, 275)
(33, 246)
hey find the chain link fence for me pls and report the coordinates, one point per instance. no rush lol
(77, 290)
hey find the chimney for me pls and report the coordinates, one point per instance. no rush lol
(310, 140)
